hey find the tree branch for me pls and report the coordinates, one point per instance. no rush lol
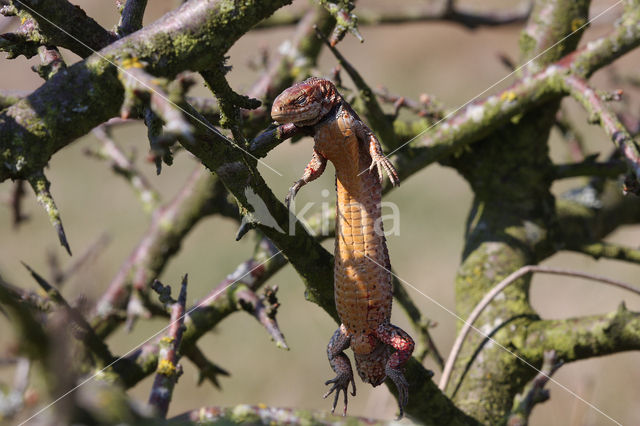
(490, 296)
(193, 37)
(580, 338)
(80, 33)
(601, 113)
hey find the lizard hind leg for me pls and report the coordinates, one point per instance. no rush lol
(400, 340)
(341, 366)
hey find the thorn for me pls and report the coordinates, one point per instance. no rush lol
(41, 281)
(41, 186)
(245, 227)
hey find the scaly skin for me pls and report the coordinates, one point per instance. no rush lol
(362, 280)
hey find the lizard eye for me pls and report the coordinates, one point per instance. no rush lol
(300, 100)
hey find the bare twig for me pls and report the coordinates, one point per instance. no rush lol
(168, 369)
(606, 250)
(468, 325)
(41, 186)
(535, 392)
(206, 369)
(468, 19)
(123, 166)
(59, 276)
(425, 344)
(263, 309)
(601, 113)
(201, 196)
(573, 137)
(84, 333)
(264, 415)
(589, 167)
(380, 123)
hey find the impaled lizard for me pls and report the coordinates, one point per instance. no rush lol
(362, 279)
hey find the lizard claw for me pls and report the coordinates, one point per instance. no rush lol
(383, 163)
(292, 192)
(340, 383)
(403, 388)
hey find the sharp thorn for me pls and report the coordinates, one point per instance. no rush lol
(41, 186)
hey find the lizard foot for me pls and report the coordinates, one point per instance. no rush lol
(293, 191)
(383, 163)
(402, 385)
(341, 383)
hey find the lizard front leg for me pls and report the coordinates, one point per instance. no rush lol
(341, 366)
(377, 157)
(398, 339)
(314, 169)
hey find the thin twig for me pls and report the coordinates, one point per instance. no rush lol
(168, 369)
(534, 393)
(468, 325)
(601, 113)
(84, 333)
(123, 166)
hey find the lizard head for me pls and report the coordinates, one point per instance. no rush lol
(305, 103)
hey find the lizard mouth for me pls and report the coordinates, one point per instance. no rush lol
(301, 116)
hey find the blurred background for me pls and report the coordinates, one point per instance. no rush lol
(441, 59)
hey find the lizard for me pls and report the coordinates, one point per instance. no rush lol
(362, 279)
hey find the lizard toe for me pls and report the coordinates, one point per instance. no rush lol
(340, 384)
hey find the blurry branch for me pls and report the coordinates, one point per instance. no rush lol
(341, 11)
(10, 97)
(377, 119)
(263, 415)
(206, 369)
(425, 345)
(589, 167)
(580, 338)
(427, 107)
(589, 214)
(605, 250)
(512, 278)
(33, 339)
(534, 392)
(12, 400)
(201, 196)
(470, 20)
(41, 23)
(573, 138)
(131, 17)
(125, 167)
(15, 201)
(84, 332)
(169, 370)
(60, 276)
(600, 113)
(41, 187)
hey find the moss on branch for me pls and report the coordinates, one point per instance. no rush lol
(193, 37)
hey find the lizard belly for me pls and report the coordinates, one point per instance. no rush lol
(362, 286)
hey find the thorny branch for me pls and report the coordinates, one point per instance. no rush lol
(220, 155)
(168, 369)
